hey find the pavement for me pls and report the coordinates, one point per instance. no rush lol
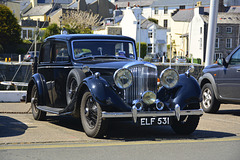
(17, 126)
(18, 108)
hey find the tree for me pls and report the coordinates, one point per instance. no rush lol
(51, 30)
(10, 30)
(143, 50)
(80, 21)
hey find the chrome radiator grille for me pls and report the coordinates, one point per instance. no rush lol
(144, 79)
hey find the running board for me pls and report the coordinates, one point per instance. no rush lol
(58, 111)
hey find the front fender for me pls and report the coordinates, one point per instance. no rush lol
(105, 95)
(208, 78)
(186, 92)
(40, 82)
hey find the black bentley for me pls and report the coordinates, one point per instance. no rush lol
(97, 78)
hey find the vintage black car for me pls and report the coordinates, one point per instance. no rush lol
(97, 78)
(220, 82)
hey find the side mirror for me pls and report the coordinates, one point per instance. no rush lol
(221, 61)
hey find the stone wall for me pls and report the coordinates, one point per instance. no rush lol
(181, 68)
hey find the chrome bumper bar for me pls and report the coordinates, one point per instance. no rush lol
(135, 114)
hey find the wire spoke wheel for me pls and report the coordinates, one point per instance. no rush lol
(91, 112)
(91, 116)
(37, 114)
(73, 87)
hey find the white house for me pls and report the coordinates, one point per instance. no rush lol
(197, 34)
(151, 33)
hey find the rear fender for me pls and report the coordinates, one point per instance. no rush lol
(40, 82)
(104, 94)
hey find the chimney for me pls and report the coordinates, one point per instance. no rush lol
(137, 11)
(82, 5)
(199, 9)
(221, 7)
(117, 12)
(34, 3)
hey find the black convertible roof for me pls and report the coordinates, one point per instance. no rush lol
(88, 36)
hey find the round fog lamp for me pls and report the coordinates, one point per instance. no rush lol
(149, 97)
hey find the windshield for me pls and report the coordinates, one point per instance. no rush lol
(103, 48)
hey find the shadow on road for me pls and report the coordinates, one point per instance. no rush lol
(10, 127)
(128, 131)
(230, 112)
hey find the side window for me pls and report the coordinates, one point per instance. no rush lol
(60, 52)
(235, 59)
(45, 53)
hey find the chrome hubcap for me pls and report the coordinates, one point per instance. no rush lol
(207, 98)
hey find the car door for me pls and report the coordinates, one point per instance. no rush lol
(61, 66)
(228, 80)
(45, 69)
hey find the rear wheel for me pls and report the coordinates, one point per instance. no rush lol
(91, 116)
(37, 114)
(75, 77)
(209, 102)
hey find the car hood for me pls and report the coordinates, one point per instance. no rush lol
(212, 66)
(108, 68)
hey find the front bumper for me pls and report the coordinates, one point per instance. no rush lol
(136, 114)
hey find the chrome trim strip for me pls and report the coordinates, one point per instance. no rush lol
(136, 63)
(195, 112)
(78, 67)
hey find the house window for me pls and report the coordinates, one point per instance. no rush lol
(200, 30)
(165, 23)
(30, 35)
(27, 34)
(217, 30)
(181, 7)
(155, 10)
(110, 11)
(217, 55)
(229, 29)
(149, 48)
(217, 43)
(150, 34)
(24, 34)
(165, 9)
(200, 43)
(229, 42)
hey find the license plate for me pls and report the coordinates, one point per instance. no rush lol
(151, 121)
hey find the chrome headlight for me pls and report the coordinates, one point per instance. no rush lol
(123, 78)
(149, 97)
(169, 78)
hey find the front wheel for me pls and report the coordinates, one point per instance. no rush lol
(209, 102)
(186, 125)
(37, 114)
(91, 116)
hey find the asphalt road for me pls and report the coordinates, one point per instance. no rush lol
(21, 137)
